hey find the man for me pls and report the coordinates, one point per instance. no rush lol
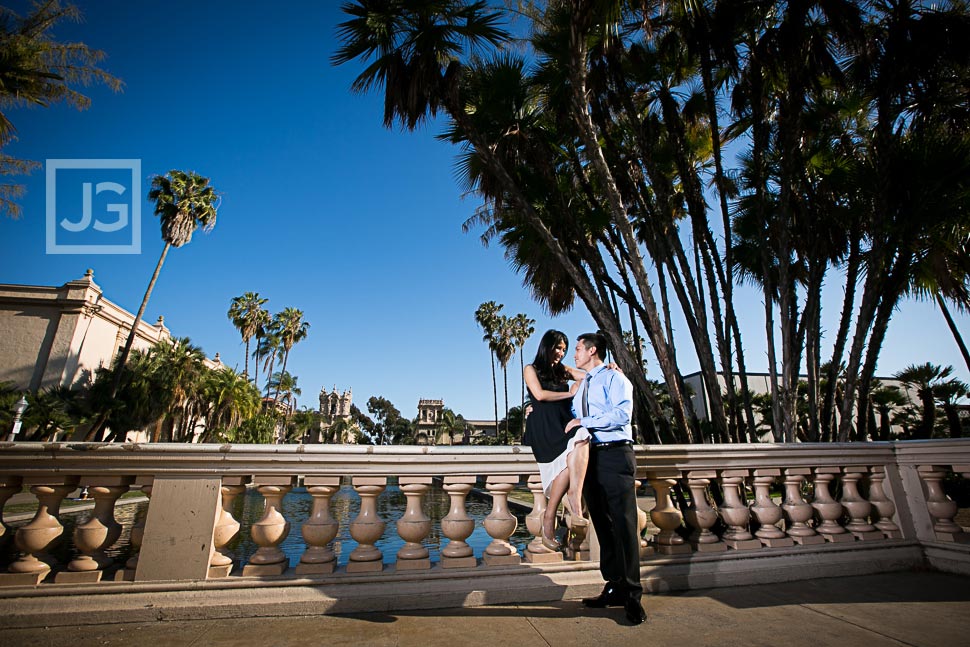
(604, 405)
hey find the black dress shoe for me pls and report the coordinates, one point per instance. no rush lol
(634, 611)
(610, 597)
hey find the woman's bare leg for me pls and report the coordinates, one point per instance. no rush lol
(557, 490)
(576, 463)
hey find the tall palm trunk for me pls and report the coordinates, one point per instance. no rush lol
(246, 365)
(522, 406)
(98, 427)
(256, 363)
(505, 378)
(495, 395)
(953, 329)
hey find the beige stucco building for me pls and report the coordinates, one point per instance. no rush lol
(58, 336)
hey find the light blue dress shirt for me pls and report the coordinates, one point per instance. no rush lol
(609, 402)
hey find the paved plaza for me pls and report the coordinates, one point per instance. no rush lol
(910, 608)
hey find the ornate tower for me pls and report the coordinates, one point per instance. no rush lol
(429, 414)
(335, 407)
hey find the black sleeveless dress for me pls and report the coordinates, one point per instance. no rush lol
(544, 433)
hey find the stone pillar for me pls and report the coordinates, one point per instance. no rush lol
(9, 485)
(227, 528)
(42, 533)
(321, 528)
(828, 509)
(666, 516)
(93, 537)
(457, 526)
(857, 508)
(535, 552)
(414, 525)
(883, 507)
(700, 516)
(941, 507)
(735, 512)
(500, 523)
(177, 543)
(766, 512)
(137, 532)
(271, 529)
(367, 527)
(797, 511)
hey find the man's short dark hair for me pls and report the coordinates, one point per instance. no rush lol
(595, 340)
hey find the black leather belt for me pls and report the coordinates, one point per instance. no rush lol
(610, 444)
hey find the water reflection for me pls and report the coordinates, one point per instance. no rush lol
(344, 507)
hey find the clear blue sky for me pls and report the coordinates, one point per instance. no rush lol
(323, 209)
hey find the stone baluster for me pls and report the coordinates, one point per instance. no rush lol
(367, 527)
(320, 528)
(964, 471)
(700, 516)
(883, 508)
(41, 533)
(535, 552)
(500, 523)
(642, 521)
(457, 526)
(735, 512)
(666, 516)
(766, 512)
(940, 506)
(828, 509)
(227, 528)
(271, 529)
(797, 511)
(414, 525)
(857, 507)
(9, 486)
(93, 537)
(137, 532)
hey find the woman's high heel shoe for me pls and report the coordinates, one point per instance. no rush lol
(549, 542)
(578, 522)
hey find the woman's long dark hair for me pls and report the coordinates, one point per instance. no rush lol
(545, 369)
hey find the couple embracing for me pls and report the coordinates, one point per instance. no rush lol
(582, 439)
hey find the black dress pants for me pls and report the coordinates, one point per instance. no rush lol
(612, 501)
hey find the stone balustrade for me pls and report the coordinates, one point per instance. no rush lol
(708, 505)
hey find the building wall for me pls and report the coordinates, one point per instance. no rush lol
(759, 383)
(58, 336)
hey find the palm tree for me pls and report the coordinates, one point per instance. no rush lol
(885, 398)
(487, 316)
(451, 424)
(184, 201)
(522, 329)
(285, 385)
(924, 378)
(947, 393)
(504, 348)
(182, 365)
(36, 70)
(248, 316)
(269, 349)
(292, 329)
(231, 399)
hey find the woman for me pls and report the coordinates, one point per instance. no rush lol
(562, 457)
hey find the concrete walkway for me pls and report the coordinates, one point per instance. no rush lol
(926, 609)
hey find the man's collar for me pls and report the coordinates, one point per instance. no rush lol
(595, 370)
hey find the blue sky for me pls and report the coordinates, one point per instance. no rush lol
(323, 209)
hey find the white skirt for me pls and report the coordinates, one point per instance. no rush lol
(549, 471)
